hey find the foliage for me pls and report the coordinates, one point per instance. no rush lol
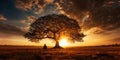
(53, 27)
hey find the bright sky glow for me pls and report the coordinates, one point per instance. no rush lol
(63, 42)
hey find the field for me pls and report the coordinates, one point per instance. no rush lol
(75, 53)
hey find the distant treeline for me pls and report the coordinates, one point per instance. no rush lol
(112, 45)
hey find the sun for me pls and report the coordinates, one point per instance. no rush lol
(63, 42)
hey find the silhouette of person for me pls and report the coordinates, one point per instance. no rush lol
(45, 46)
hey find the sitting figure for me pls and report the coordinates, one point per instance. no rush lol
(44, 47)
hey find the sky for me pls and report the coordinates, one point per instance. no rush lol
(99, 19)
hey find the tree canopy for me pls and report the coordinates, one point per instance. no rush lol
(53, 27)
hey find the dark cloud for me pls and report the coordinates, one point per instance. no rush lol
(29, 4)
(104, 14)
(107, 18)
(9, 29)
(30, 19)
(77, 8)
(37, 6)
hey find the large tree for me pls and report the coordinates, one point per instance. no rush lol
(53, 27)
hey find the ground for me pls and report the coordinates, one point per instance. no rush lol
(73, 53)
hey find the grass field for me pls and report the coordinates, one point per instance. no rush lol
(75, 53)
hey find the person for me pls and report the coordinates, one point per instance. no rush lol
(45, 46)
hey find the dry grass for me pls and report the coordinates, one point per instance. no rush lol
(76, 53)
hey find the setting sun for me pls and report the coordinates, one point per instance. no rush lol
(63, 42)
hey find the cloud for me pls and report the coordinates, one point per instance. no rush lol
(104, 18)
(49, 1)
(25, 4)
(94, 30)
(10, 29)
(31, 5)
(2, 17)
(38, 7)
(30, 19)
(100, 14)
(101, 18)
(23, 21)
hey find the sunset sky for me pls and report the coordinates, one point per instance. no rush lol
(99, 20)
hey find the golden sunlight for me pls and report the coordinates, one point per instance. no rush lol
(63, 42)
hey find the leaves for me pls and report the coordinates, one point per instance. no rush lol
(53, 26)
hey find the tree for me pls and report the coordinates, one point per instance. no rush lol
(53, 27)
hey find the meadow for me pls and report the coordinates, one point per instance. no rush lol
(72, 53)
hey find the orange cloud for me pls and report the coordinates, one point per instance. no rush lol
(23, 21)
(94, 30)
(31, 19)
(49, 1)
(24, 5)
(2, 17)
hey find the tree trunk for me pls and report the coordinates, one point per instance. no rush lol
(57, 44)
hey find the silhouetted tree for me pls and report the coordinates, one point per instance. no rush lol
(53, 27)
